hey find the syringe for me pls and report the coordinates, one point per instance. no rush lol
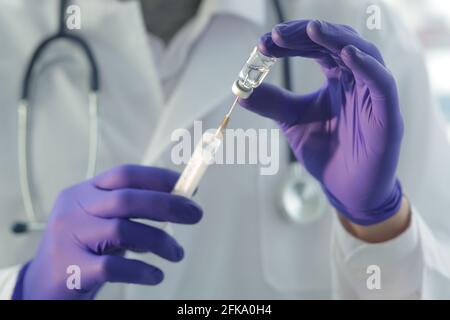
(202, 157)
(251, 76)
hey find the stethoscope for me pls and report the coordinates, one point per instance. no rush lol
(33, 223)
(301, 199)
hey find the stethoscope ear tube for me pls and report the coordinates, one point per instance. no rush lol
(83, 45)
(22, 114)
(94, 134)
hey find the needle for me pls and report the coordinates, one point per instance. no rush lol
(226, 119)
(232, 108)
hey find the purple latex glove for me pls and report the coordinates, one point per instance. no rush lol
(90, 227)
(347, 134)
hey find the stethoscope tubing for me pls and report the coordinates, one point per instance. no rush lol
(33, 223)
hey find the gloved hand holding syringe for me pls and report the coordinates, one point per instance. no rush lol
(251, 75)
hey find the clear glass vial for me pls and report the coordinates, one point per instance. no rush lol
(252, 73)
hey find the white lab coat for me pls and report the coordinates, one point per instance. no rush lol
(242, 248)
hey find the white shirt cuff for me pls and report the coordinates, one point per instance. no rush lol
(8, 278)
(387, 270)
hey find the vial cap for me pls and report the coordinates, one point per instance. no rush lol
(240, 91)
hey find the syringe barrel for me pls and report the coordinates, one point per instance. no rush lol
(202, 157)
(252, 73)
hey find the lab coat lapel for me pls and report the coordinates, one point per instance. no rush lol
(129, 71)
(120, 24)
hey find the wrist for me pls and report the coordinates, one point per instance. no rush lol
(383, 231)
(386, 208)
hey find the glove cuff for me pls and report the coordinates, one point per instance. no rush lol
(18, 289)
(373, 216)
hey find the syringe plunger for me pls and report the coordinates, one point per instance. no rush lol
(202, 157)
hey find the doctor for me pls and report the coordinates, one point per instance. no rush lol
(242, 248)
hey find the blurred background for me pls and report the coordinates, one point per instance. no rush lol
(430, 20)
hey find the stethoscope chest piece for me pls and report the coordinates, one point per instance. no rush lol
(302, 200)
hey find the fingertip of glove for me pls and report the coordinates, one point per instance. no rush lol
(349, 50)
(179, 254)
(266, 45)
(195, 212)
(351, 54)
(156, 276)
(314, 27)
